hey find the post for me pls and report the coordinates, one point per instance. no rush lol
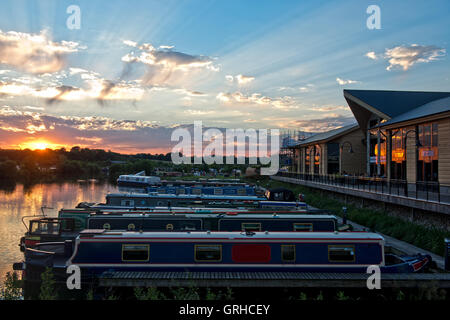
(344, 219)
(447, 255)
(368, 152)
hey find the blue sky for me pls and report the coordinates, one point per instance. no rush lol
(148, 65)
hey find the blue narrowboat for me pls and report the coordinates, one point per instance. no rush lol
(61, 229)
(97, 251)
(209, 190)
(150, 201)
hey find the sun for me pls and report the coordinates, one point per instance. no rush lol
(38, 145)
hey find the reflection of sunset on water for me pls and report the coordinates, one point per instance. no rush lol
(26, 201)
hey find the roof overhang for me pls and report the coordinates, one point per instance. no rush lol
(362, 110)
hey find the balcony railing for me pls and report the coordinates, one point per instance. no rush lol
(423, 190)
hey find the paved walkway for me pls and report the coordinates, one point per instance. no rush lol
(402, 246)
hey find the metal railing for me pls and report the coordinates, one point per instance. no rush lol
(423, 190)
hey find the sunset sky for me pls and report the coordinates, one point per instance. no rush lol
(135, 70)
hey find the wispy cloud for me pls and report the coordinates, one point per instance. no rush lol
(257, 99)
(344, 82)
(164, 64)
(240, 79)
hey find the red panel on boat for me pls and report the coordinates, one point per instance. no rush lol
(251, 253)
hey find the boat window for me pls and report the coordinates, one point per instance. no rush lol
(131, 226)
(44, 227)
(303, 227)
(135, 252)
(341, 253)
(288, 253)
(127, 203)
(106, 226)
(34, 228)
(248, 226)
(208, 252)
(241, 192)
(196, 191)
(218, 191)
(169, 226)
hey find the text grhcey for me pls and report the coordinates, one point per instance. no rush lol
(227, 309)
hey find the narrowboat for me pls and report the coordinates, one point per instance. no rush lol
(97, 251)
(149, 201)
(209, 190)
(80, 215)
(138, 180)
(61, 229)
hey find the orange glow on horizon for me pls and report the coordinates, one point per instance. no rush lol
(39, 145)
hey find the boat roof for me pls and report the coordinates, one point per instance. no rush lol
(101, 233)
(183, 196)
(220, 215)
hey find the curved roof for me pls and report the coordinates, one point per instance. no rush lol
(328, 134)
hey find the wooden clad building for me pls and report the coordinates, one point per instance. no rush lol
(337, 151)
(408, 136)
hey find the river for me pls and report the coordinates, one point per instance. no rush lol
(19, 201)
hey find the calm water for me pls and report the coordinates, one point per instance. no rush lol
(19, 201)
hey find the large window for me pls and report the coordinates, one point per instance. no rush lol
(398, 155)
(317, 156)
(307, 159)
(427, 160)
(333, 157)
(375, 158)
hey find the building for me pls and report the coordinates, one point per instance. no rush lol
(337, 151)
(408, 136)
(401, 145)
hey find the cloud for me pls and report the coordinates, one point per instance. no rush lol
(19, 128)
(330, 122)
(198, 112)
(164, 64)
(94, 88)
(240, 79)
(405, 57)
(282, 103)
(371, 55)
(344, 82)
(34, 53)
(309, 87)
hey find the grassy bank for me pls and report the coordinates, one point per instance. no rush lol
(431, 239)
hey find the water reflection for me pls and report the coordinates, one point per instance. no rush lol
(17, 201)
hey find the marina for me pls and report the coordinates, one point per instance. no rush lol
(282, 244)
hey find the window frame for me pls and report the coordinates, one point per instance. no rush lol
(138, 244)
(196, 246)
(255, 223)
(342, 246)
(295, 253)
(295, 224)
